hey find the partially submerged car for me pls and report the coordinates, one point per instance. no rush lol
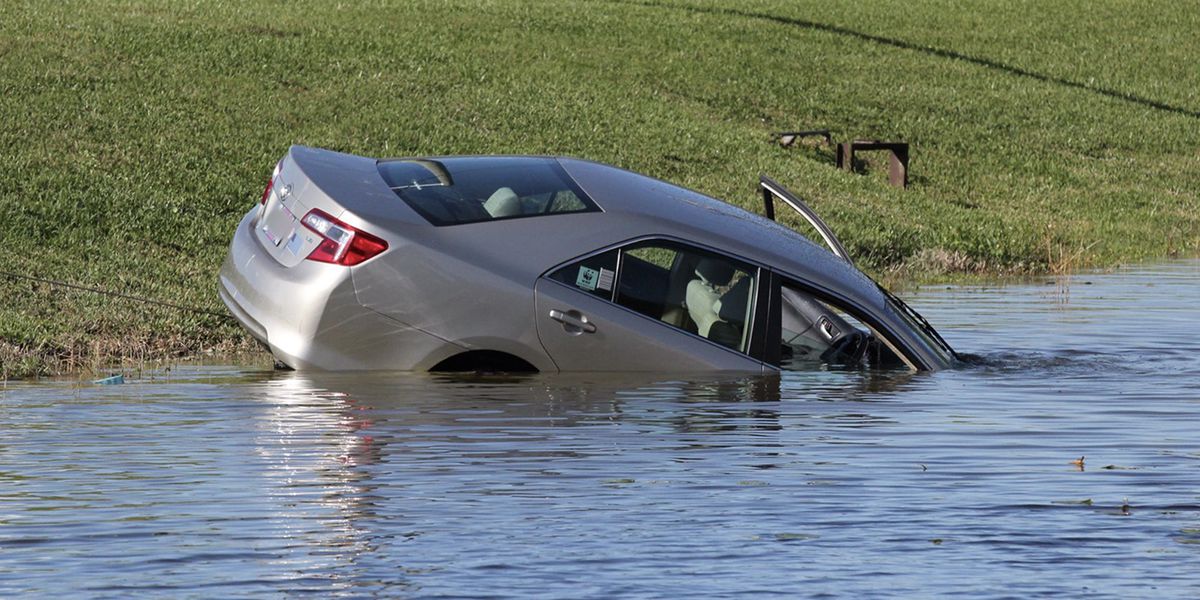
(547, 264)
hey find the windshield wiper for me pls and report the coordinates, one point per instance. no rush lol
(921, 321)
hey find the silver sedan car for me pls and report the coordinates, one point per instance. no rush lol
(521, 263)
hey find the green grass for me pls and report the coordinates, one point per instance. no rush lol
(135, 134)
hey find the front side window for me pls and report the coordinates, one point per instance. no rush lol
(814, 332)
(455, 191)
(694, 290)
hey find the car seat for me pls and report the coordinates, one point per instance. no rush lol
(731, 309)
(702, 295)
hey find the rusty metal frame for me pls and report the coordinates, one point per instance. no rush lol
(897, 163)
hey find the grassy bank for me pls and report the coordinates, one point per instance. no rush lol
(1044, 135)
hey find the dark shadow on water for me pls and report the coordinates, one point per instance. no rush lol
(932, 51)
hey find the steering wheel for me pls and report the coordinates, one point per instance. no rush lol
(847, 350)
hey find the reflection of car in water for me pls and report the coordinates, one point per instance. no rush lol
(550, 264)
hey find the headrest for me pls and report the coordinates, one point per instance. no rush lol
(733, 302)
(716, 272)
(503, 203)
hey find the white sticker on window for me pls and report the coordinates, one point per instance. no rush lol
(588, 278)
(606, 280)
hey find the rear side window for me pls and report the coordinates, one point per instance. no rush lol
(454, 191)
(595, 274)
(700, 292)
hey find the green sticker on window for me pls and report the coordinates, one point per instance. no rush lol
(587, 279)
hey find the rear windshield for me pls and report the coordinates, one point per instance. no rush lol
(452, 191)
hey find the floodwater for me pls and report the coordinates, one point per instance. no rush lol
(1066, 462)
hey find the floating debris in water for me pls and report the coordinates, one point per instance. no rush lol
(794, 537)
(114, 380)
(1188, 535)
(784, 537)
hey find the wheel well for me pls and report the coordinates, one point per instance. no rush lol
(484, 361)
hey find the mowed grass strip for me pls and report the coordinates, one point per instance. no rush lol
(136, 134)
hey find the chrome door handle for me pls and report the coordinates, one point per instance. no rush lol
(573, 321)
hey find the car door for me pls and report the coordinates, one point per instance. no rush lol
(627, 309)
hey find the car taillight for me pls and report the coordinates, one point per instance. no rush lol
(340, 244)
(270, 183)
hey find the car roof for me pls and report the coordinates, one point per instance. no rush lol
(632, 206)
(674, 210)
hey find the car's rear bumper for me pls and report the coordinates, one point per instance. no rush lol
(309, 316)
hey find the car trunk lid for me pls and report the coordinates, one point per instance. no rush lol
(307, 180)
(278, 227)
